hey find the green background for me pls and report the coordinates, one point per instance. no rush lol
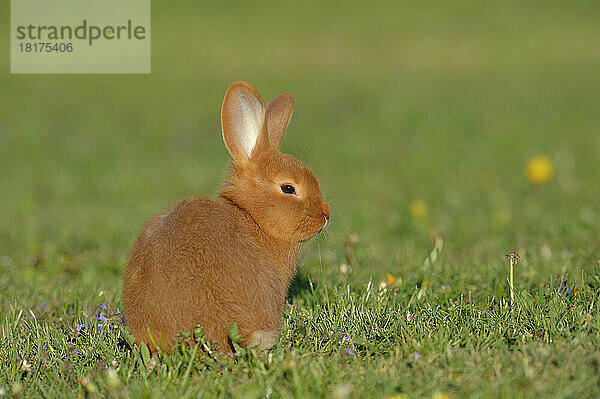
(395, 101)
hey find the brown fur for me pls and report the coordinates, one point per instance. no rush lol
(214, 262)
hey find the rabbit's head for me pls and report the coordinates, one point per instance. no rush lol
(280, 193)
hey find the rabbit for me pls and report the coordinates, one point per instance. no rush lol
(212, 262)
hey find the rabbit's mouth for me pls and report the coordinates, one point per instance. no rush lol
(323, 227)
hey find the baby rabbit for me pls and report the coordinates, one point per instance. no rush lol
(215, 262)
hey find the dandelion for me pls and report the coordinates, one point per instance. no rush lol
(389, 279)
(514, 260)
(112, 379)
(351, 244)
(514, 257)
(546, 251)
(341, 391)
(418, 209)
(539, 169)
(344, 268)
(17, 389)
(88, 385)
(353, 240)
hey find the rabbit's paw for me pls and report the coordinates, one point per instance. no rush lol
(262, 339)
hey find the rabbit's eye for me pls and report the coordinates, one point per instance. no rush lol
(288, 189)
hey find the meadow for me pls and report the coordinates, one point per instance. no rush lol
(419, 121)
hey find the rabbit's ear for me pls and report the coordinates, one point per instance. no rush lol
(279, 112)
(243, 121)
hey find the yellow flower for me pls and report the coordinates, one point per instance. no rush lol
(397, 396)
(418, 209)
(389, 279)
(539, 169)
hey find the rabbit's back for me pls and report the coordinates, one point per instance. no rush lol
(202, 262)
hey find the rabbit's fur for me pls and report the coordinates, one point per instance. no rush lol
(213, 262)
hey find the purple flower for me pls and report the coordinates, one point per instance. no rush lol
(117, 311)
(347, 352)
(101, 317)
(79, 327)
(103, 306)
(417, 355)
(43, 305)
(74, 347)
(343, 340)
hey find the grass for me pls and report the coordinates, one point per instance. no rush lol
(442, 103)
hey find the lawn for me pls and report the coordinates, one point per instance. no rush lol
(419, 121)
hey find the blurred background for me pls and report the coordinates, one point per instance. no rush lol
(419, 119)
